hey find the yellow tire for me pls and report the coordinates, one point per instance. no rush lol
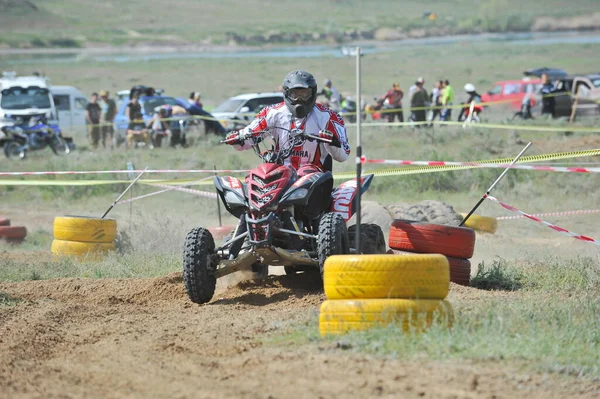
(419, 276)
(85, 229)
(481, 223)
(88, 250)
(341, 316)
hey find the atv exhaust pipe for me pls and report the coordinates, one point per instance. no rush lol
(243, 262)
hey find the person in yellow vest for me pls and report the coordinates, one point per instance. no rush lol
(447, 101)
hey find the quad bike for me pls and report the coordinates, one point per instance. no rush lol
(286, 217)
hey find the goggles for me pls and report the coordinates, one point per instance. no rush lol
(299, 94)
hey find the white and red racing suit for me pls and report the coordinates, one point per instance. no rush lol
(310, 152)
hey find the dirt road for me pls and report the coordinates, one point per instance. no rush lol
(80, 338)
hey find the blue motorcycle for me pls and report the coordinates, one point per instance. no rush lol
(37, 134)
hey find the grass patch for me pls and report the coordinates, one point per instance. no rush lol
(7, 300)
(498, 276)
(551, 335)
(136, 265)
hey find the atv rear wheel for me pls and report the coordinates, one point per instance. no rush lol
(333, 238)
(199, 265)
(372, 239)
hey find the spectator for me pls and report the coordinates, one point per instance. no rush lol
(447, 100)
(92, 117)
(548, 102)
(195, 99)
(436, 101)
(136, 131)
(413, 88)
(109, 111)
(418, 102)
(392, 102)
(332, 95)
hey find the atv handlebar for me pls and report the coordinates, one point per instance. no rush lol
(295, 133)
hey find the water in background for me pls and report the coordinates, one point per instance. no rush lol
(70, 56)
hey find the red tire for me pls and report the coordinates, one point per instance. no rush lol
(13, 232)
(460, 269)
(4, 222)
(220, 231)
(427, 238)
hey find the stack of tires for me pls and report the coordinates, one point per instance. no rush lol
(480, 223)
(456, 243)
(366, 291)
(84, 237)
(12, 234)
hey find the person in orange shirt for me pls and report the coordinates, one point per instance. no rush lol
(392, 100)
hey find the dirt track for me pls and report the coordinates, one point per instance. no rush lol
(143, 338)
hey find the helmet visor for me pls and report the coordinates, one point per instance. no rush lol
(299, 94)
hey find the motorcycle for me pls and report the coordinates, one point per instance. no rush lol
(38, 134)
(473, 117)
(286, 218)
(349, 110)
(377, 106)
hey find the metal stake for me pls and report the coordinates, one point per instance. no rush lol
(131, 177)
(494, 184)
(123, 193)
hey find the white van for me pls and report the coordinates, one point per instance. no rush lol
(26, 96)
(70, 103)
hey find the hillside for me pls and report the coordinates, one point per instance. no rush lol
(73, 23)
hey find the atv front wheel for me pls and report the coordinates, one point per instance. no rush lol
(199, 265)
(333, 238)
(59, 146)
(14, 150)
(372, 239)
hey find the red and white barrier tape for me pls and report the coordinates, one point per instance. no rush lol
(546, 168)
(536, 219)
(103, 172)
(172, 188)
(579, 212)
(189, 190)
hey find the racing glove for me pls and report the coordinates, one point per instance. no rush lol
(234, 138)
(327, 135)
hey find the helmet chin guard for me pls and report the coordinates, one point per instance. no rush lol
(299, 110)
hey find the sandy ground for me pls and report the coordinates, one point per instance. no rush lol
(76, 338)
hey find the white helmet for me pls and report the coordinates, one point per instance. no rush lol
(469, 88)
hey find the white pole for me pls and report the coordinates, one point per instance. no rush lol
(358, 151)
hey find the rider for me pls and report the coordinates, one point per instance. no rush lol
(299, 111)
(473, 97)
(334, 98)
